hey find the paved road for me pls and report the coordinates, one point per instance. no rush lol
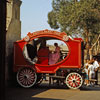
(53, 92)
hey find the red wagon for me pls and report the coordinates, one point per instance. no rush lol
(30, 69)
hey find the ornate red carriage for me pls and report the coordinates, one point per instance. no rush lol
(69, 65)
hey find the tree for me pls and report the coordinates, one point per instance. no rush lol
(76, 17)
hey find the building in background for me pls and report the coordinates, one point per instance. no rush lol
(13, 28)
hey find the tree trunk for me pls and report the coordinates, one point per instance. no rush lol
(95, 46)
(98, 47)
(87, 56)
(90, 53)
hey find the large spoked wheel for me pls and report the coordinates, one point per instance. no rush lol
(74, 80)
(26, 77)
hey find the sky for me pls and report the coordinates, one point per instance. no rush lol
(34, 15)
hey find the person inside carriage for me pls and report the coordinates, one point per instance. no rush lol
(55, 56)
(30, 52)
(43, 53)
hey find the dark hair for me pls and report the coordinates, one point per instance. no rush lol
(56, 44)
(94, 58)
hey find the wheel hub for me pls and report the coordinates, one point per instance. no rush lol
(26, 76)
(74, 81)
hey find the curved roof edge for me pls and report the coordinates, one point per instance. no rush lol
(46, 32)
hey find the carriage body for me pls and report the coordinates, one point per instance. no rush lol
(73, 56)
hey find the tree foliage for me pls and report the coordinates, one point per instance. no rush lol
(75, 16)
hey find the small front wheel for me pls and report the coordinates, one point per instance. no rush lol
(26, 77)
(74, 80)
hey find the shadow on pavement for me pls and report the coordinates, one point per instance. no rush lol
(19, 93)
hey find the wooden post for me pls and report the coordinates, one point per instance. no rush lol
(2, 47)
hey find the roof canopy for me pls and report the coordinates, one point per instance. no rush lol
(46, 33)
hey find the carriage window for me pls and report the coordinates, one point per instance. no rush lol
(47, 50)
(30, 52)
(51, 51)
(63, 52)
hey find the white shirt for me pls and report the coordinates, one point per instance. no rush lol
(86, 71)
(91, 68)
(26, 53)
(95, 64)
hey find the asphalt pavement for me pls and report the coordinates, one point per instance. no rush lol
(53, 92)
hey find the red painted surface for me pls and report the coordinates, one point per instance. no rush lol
(73, 60)
(43, 54)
